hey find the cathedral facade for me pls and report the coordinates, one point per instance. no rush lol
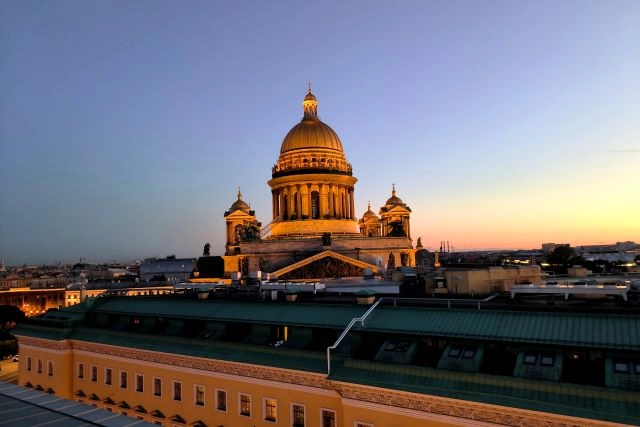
(314, 230)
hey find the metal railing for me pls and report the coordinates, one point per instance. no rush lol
(346, 331)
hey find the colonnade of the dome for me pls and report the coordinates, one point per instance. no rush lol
(315, 200)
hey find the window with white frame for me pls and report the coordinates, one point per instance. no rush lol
(198, 395)
(139, 383)
(221, 400)
(327, 418)
(80, 370)
(94, 373)
(50, 368)
(157, 386)
(123, 379)
(270, 409)
(107, 376)
(177, 391)
(297, 415)
(245, 405)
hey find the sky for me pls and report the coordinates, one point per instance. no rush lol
(127, 127)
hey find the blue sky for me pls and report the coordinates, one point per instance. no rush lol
(127, 127)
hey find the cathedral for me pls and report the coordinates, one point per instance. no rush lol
(314, 231)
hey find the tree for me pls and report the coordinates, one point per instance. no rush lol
(561, 255)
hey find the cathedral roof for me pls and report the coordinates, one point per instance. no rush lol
(239, 205)
(311, 132)
(369, 213)
(394, 200)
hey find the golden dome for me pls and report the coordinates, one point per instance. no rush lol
(239, 204)
(311, 132)
(369, 213)
(394, 200)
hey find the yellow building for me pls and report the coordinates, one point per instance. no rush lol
(313, 215)
(487, 280)
(178, 361)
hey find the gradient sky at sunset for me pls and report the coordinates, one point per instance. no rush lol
(126, 127)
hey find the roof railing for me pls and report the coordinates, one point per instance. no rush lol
(346, 331)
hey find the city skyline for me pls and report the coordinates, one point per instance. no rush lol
(127, 128)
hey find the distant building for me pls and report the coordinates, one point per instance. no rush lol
(315, 231)
(486, 280)
(171, 270)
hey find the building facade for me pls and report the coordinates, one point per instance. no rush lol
(189, 362)
(313, 215)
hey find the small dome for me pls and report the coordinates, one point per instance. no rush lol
(369, 213)
(394, 200)
(239, 204)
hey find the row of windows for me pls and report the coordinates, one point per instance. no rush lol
(270, 405)
(38, 367)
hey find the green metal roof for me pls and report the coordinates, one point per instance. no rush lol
(560, 398)
(261, 312)
(596, 330)
(608, 331)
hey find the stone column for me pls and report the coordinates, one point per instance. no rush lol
(322, 207)
(309, 203)
(298, 202)
(352, 204)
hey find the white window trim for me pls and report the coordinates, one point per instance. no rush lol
(264, 410)
(105, 377)
(126, 387)
(78, 365)
(304, 409)
(335, 416)
(226, 406)
(135, 386)
(153, 386)
(91, 370)
(173, 391)
(240, 405)
(195, 395)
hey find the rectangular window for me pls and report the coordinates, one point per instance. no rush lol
(94, 373)
(28, 363)
(297, 415)
(469, 353)
(177, 390)
(530, 358)
(328, 418)
(270, 409)
(547, 359)
(359, 424)
(39, 366)
(139, 383)
(80, 370)
(454, 352)
(157, 386)
(107, 376)
(221, 400)
(50, 368)
(198, 395)
(621, 366)
(245, 405)
(123, 379)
